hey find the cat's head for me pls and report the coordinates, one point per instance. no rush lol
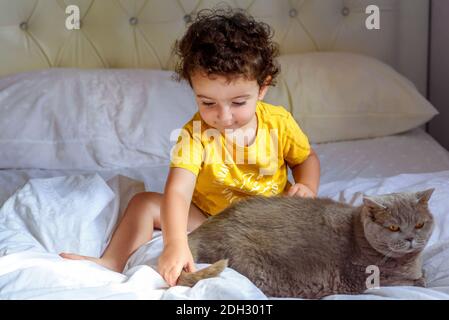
(399, 223)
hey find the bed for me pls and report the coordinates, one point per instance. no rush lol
(79, 137)
(55, 278)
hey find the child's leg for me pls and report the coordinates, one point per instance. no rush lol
(135, 229)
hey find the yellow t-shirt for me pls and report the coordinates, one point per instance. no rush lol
(227, 171)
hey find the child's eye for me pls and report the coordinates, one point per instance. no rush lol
(208, 104)
(239, 103)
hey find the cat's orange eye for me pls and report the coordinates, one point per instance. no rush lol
(394, 228)
(419, 225)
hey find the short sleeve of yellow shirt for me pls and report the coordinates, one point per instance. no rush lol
(188, 150)
(227, 172)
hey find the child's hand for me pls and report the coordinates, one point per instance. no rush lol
(173, 260)
(300, 190)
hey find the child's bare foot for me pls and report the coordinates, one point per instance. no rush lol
(100, 261)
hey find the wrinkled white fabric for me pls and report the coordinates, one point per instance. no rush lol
(76, 214)
(31, 269)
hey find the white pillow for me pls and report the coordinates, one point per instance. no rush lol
(342, 96)
(115, 118)
(91, 119)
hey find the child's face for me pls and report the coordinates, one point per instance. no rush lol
(226, 105)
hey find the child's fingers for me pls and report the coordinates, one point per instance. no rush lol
(168, 276)
(174, 275)
(169, 279)
(191, 266)
(292, 190)
(308, 194)
(164, 276)
(300, 193)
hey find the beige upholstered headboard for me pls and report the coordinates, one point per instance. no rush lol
(140, 33)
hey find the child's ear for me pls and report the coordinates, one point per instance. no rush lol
(264, 88)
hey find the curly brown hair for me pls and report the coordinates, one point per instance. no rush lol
(230, 43)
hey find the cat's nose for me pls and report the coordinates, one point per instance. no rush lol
(409, 239)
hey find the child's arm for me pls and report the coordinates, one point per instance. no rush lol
(174, 214)
(307, 177)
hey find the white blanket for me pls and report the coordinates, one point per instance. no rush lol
(78, 214)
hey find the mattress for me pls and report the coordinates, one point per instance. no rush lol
(410, 161)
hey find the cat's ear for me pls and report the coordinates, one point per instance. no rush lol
(373, 203)
(424, 196)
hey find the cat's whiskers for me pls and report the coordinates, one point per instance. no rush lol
(400, 245)
(419, 243)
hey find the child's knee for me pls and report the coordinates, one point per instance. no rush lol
(148, 201)
(146, 205)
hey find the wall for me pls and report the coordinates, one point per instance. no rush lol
(439, 70)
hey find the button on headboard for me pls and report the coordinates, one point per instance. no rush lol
(141, 33)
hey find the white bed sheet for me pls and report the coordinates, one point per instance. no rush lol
(348, 168)
(411, 152)
(31, 236)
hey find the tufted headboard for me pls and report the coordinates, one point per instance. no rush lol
(141, 33)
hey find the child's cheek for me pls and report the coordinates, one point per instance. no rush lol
(207, 116)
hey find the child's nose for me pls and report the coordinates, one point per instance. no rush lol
(224, 114)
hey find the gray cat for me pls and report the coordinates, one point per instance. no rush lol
(311, 248)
